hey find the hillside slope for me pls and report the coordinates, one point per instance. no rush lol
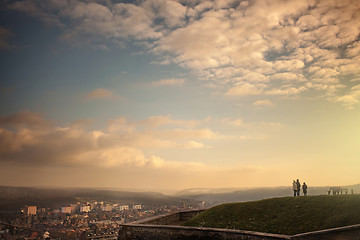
(287, 215)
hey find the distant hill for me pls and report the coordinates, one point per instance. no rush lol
(13, 198)
(286, 215)
(227, 195)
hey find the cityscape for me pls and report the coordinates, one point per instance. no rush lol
(162, 119)
(78, 213)
(82, 220)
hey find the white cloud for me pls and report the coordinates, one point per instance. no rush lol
(355, 79)
(28, 138)
(120, 125)
(253, 77)
(353, 50)
(287, 91)
(203, 6)
(308, 22)
(288, 65)
(92, 22)
(102, 93)
(194, 144)
(169, 82)
(351, 98)
(265, 102)
(234, 122)
(273, 42)
(99, 93)
(287, 77)
(245, 89)
(347, 99)
(350, 69)
(171, 12)
(318, 72)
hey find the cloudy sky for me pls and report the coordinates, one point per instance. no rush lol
(161, 94)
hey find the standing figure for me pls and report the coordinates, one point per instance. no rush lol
(304, 187)
(294, 188)
(298, 187)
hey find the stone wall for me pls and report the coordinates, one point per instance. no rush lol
(171, 218)
(162, 232)
(342, 233)
(166, 227)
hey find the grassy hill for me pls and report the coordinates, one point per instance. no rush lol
(287, 215)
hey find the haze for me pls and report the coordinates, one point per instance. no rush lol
(158, 94)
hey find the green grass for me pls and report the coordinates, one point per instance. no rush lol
(288, 215)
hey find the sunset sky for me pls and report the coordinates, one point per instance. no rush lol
(160, 94)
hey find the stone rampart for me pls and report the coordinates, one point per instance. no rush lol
(176, 218)
(166, 227)
(167, 232)
(341, 233)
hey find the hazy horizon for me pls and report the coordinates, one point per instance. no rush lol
(313, 190)
(179, 94)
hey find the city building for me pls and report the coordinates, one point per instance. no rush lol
(123, 207)
(85, 209)
(106, 208)
(30, 210)
(66, 210)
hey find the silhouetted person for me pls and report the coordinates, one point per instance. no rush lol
(304, 188)
(294, 188)
(298, 187)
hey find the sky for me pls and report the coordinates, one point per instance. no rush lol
(176, 94)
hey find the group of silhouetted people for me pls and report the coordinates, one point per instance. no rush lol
(297, 188)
